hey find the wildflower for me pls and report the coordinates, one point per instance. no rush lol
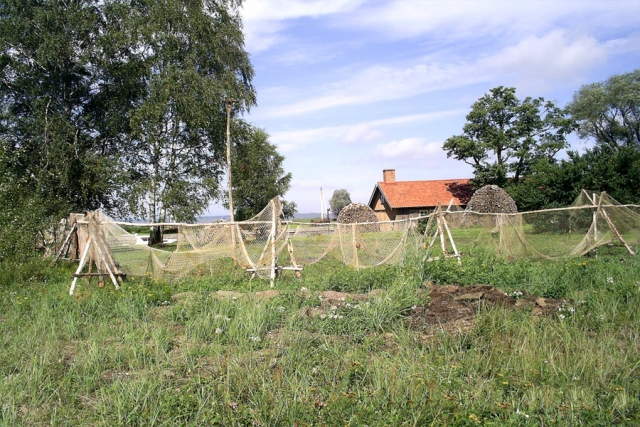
(561, 316)
(281, 309)
(333, 308)
(475, 418)
(609, 279)
(522, 413)
(254, 338)
(303, 289)
(218, 331)
(323, 316)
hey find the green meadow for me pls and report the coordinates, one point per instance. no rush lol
(180, 354)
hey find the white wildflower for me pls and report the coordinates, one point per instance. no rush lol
(333, 308)
(323, 316)
(254, 338)
(609, 279)
(561, 316)
(303, 289)
(218, 331)
(281, 309)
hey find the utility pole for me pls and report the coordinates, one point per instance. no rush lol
(228, 104)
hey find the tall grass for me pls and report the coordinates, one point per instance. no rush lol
(180, 354)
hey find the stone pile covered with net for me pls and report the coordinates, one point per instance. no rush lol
(360, 214)
(491, 199)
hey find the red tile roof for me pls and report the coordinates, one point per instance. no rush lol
(418, 194)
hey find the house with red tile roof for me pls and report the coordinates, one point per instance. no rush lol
(394, 200)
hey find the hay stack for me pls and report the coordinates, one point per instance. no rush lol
(359, 213)
(491, 199)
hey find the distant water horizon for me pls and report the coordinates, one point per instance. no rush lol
(299, 215)
(213, 218)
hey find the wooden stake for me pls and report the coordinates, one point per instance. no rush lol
(440, 230)
(272, 239)
(615, 230)
(292, 258)
(355, 247)
(83, 259)
(453, 244)
(67, 242)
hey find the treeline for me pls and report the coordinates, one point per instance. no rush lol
(515, 143)
(120, 105)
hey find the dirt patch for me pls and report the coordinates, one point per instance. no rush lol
(454, 308)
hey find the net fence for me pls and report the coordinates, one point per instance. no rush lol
(264, 243)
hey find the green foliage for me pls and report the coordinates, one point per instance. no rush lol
(49, 103)
(599, 169)
(339, 200)
(191, 58)
(257, 173)
(609, 111)
(504, 136)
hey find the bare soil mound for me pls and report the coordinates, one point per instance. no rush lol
(454, 308)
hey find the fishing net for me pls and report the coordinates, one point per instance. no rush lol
(264, 243)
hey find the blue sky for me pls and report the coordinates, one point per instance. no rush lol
(347, 88)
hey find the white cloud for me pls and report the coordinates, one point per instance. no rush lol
(361, 132)
(536, 60)
(365, 131)
(554, 57)
(472, 19)
(265, 20)
(409, 148)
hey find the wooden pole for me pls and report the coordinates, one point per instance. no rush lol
(272, 239)
(67, 242)
(83, 259)
(615, 230)
(453, 244)
(441, 230)
(595, 217)
(355, 246)
(228, 104)
(293, 258)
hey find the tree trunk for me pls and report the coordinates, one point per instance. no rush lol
(155, 236)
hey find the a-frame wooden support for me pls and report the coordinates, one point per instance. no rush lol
(64, 249)
(97, 251)
(441, 228)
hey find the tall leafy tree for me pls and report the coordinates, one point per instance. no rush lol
(504, 136)
(119, 103)
(184, 58)
(339, 200)
(48, 87)
(609, 111)
(257, 173)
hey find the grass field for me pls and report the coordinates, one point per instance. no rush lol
(179, 354)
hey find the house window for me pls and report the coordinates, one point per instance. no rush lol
(423, 213)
